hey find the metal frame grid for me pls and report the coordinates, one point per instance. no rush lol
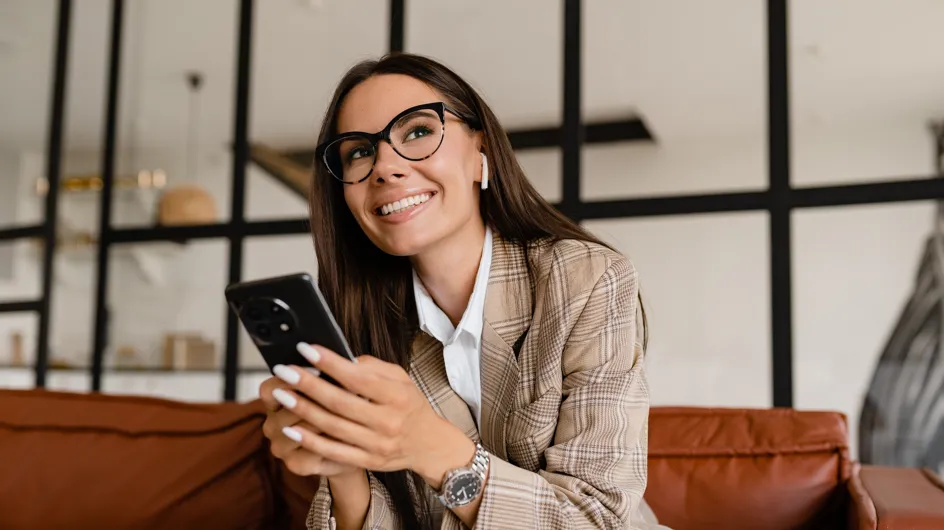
(778, 200)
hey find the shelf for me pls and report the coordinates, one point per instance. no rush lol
(183, 234)
(158, 370)
(21, 232)
(20, 306)
(174, 234)
(155, 370)
(137, 371)
(144, 180)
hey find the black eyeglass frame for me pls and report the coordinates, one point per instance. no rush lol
(440, 107)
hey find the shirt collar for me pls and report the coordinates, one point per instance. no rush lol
(435, 322)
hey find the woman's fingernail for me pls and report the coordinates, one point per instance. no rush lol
(287, 400)
(308, 352)
(292, 433)
(286, 374)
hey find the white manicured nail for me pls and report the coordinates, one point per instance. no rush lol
(292, 433)
(286, 374)
(287, 400)
(308, 352)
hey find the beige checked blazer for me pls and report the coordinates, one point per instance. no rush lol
(565, 400)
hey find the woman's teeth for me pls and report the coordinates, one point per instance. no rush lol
(404, 204)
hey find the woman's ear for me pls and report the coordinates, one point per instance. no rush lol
(478, 140)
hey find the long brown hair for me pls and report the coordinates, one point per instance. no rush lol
(370, 291)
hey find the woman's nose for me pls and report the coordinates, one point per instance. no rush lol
(388, 163)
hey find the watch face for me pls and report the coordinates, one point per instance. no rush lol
(464, 488)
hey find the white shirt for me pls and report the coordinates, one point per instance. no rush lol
(462, 344)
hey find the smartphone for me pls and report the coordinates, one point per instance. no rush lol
(280, 312)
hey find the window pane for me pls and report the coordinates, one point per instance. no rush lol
(543, 168)
(21, 270)
(72, 323)
(267, 198)
(860, 104)
(17, 378)
(18, 343)
(18, 357)
(174, 160)
(167, 309)
(300, 53)
(21, 203)
(27, 54)
(705, 283)
(695, 72)
(205, 387)
(68, 380)
(855, 269)
(248, 388)
(509, 51)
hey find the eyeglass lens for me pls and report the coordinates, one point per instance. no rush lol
(414, 137)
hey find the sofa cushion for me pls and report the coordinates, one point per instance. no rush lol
(96, 461)
(742, 468)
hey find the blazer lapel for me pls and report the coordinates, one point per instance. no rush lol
(508, 314)
(428, 371)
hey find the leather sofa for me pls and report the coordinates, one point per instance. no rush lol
(103, 461)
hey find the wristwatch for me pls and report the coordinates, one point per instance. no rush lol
(462, 485)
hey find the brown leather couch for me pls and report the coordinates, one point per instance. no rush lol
(96, 461)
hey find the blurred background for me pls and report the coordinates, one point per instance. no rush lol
(771, 169)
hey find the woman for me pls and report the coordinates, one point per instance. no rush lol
(502, 383)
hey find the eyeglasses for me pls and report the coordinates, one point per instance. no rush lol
(415, 134)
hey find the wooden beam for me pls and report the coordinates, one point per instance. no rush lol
(293, 175)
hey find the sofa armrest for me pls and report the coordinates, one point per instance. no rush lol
(889, 498)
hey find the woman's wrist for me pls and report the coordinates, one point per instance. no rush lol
(350, 498)
(451, 449)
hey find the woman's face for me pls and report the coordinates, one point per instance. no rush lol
(404, 206)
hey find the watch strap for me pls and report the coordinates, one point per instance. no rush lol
(479, 466)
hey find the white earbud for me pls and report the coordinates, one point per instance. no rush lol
(484, 172)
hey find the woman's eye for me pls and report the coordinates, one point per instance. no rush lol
(358, 152)
(416, 132)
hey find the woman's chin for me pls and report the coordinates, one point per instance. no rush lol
(402, 245)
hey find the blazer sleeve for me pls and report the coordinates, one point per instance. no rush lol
(381, 514)
(596, 465)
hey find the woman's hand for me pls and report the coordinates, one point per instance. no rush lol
(298, 460)
(379, 421)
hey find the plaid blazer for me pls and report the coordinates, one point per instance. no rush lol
(565, 399)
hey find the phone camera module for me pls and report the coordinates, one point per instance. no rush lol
(269, 321)
(263, 331)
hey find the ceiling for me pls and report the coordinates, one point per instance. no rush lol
(691, 68)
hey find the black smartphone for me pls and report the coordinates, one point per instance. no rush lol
(280, 312)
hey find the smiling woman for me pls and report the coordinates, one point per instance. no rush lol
(501, 381)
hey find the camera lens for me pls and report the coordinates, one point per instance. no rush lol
(263, 331)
